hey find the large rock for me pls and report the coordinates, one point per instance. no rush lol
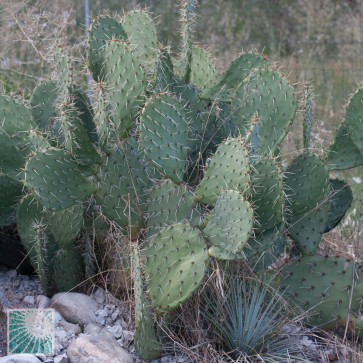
(20, 358)
(75, 308)
(97, 349)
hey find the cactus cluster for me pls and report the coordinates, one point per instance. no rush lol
(185, 161)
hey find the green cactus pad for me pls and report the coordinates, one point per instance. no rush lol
(68, 269)
(147, 345)
(28, 212)
(268, 198)
(142, 35)
(340, 199)
(102, 29)
(164, 135)
(77, 141)
(228, 169)
(126, 82)
(170, 203)
(323, 285)
(12, 160)
(308, 116)
(38, 140)
(64, 71)
(353, 118)
(237, 71)
(306, 183)
(175, 264)
(16, 121)
(269, 95)
(122, 179)
(264, 249)
(307, 229)
(204, 73)
(106, 129)
(44, 104)
(342, 153)
(11, 191)
(85, 112)
(230, 224)
(56, 180)
(65, 224)
(36, 239)
(164, 81)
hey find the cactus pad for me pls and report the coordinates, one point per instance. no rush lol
(263, 250)
(126, 83)
(102, 29)
(68, 269)
(340, 198)
(230, 224)
(142, 35)
(43, 102)
(323, 285)
(353, 118)
(306, 183)
(307, 229)
(164, 135)
(11, 191)
(77, 141)
(342, 153)
(237, 71)
(147, 345)
(170, 203)
(175, 264)
(56, 180)
(268, 94)
(121, 182)
(12, 161)
(164, 81)
(228, 169)
(65, 224)
(267, 197)
(16, 121)
(204, 73)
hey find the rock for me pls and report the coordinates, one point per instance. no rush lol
(97, 349)
(61, 359)
(20, 358)
(93, 329)
(57, 317)
(75, 307)
(40, 301)
(100, 320)
(99, 295)
(115, 314)
(128, 335)
(116, 331)
(11, 274)
(73, 329)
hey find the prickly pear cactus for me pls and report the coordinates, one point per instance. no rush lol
(237, 71)
(164, 135)
(229, 225)
(175, 265)
(56, 180)
(323, 285)
(267, 93)
(102, 29)
(228, 169)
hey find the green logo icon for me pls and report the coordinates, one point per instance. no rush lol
(31, 331)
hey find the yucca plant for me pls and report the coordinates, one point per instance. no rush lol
(249, 320)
